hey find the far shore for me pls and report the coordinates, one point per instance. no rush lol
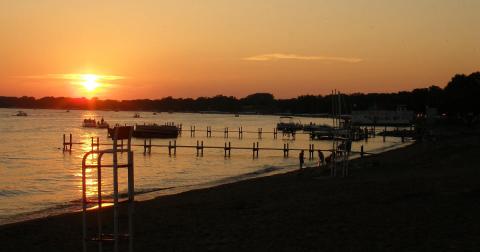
(423, 197)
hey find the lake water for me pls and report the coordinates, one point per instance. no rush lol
(37, 178)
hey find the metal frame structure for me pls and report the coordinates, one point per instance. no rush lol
(120, 133)
(341, 145)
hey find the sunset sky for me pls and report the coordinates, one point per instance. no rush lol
(153, 49)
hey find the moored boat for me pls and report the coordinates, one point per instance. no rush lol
(156, 131)
(288, 124)
(102, 124)
(89, 123)
(317, 127)
(21, 113)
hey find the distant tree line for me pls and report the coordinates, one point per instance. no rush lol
(460, 95)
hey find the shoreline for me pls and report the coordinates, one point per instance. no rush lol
(421, 197)
(69, 207)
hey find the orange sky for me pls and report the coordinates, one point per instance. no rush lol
(152, 49)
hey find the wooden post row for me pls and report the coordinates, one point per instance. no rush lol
(227, 149)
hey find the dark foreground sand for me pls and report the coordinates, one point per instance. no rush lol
(425, 197)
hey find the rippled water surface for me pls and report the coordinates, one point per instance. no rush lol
(37, 178)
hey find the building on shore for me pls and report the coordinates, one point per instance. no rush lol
(400, 116)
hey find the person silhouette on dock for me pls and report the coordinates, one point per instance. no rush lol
(330, 159)
(301, 158)
(321, 158)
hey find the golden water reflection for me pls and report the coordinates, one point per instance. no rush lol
(91, 174)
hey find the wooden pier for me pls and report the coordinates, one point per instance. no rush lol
(237, 131)
(227, 148)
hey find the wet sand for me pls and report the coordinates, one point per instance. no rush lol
(425, 197)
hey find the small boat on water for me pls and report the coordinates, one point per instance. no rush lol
(317, 127)
(156, 131)
(288, 124)
(21, 113)
(136, 115)
(89, 123)
(92, 123)
(102, 124)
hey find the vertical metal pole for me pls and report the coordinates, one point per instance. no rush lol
(64, 145)
(84, 205)
(99, 197)
(131, 199)
(70, 142)
(115, 192)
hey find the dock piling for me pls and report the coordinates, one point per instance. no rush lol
(255, 150)
(169, 148)
(227, 149)
(174, 147)
(192, 131)
(310, 151)
(67, 146)
(225, 132)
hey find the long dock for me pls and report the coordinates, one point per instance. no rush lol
(172, 147)
(356, 134)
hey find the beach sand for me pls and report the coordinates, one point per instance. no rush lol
(425, 197)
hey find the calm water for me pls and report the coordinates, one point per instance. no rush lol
(38, 179)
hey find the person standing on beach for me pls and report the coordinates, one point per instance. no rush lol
(301, 158)
(321, 158)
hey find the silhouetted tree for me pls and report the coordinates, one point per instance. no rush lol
(461, 96)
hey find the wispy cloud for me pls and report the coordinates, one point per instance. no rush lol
(283, 56)
(73, 77)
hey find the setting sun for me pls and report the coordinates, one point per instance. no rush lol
(90, 82)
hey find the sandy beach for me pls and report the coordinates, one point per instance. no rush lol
(420, 198)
